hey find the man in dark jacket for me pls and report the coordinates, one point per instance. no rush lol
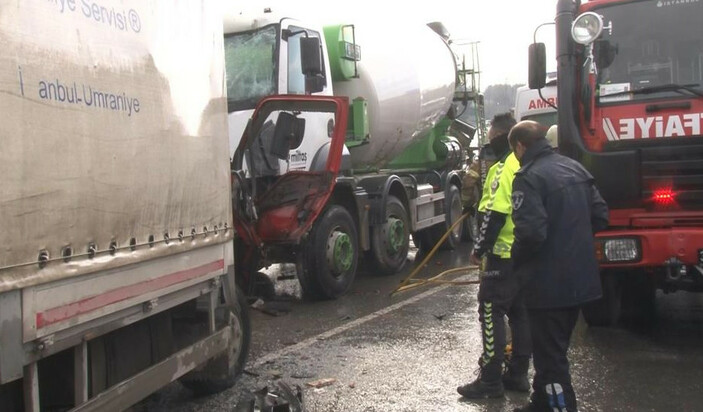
(556, 211)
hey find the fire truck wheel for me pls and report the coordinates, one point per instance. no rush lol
(605, 311)
(331, 255)
(639, 293)
(390, 241)
(221, 373)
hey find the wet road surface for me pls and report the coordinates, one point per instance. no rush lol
(409, 352)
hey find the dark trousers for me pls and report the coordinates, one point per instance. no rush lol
(499, 295)
(551, 331)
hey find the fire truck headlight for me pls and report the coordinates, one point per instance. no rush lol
(586, 28)
(618, 250)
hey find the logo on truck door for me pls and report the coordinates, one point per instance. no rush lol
(298, 160)
(688, 124)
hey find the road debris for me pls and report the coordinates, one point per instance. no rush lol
(283, 398)
(321, 383)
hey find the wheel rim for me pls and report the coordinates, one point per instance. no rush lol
(394, 231)
(340, 252)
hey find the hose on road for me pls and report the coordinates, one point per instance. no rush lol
(411, 282)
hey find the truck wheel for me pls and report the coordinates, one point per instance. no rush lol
(470, 224)
(246, 264)
(390, 241)
(453, 211)
(221, 373)
(470, 228)
(331, 255)
(639, 298)
(605, 311)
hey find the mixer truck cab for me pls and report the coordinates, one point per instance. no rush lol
(339, 149)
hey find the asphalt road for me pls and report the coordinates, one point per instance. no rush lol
(409, 352)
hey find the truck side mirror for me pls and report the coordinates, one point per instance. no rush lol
(310, 56)
(537, 58)
(311, 64)
(288, 134)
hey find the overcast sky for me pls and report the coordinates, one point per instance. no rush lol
(503, 28)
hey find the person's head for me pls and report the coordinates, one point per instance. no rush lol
(524, 135)
(498, 133)
(553, 137)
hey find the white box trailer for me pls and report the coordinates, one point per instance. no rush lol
(116, 264)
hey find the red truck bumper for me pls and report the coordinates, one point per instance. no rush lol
(656, 247)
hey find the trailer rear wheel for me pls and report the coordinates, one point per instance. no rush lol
(605, 311)
(221, 372)
(331, 255)
(390, 241)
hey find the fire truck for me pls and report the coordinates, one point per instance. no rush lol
(631, 108)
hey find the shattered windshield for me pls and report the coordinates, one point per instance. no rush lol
(251, 68)
(653, 43)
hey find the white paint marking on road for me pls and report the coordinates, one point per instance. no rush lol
(326, 335)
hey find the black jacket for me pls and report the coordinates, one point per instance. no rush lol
(556, 210)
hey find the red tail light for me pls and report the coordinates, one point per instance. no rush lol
(664, 197)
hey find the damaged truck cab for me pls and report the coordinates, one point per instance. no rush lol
(349, 151)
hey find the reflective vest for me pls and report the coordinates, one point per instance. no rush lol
(497, 194)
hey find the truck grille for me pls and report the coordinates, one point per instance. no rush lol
(676, 168)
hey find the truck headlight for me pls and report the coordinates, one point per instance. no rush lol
(586, 28)
(618, 250)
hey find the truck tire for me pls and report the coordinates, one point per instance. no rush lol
(246, 264)
(470, 224)
(453, 211)
(331, 255)
(607, 310)
(222, 372)
(470, 228)
(390, 241)
(639, 299)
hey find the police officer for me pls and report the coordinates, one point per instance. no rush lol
(556, 210)
(498, 293)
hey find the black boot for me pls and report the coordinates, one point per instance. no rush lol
(488, 384)
(515, 375)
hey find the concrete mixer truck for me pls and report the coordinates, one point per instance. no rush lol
(349, 154)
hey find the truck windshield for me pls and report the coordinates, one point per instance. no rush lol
(251, 69)
(653, 43)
